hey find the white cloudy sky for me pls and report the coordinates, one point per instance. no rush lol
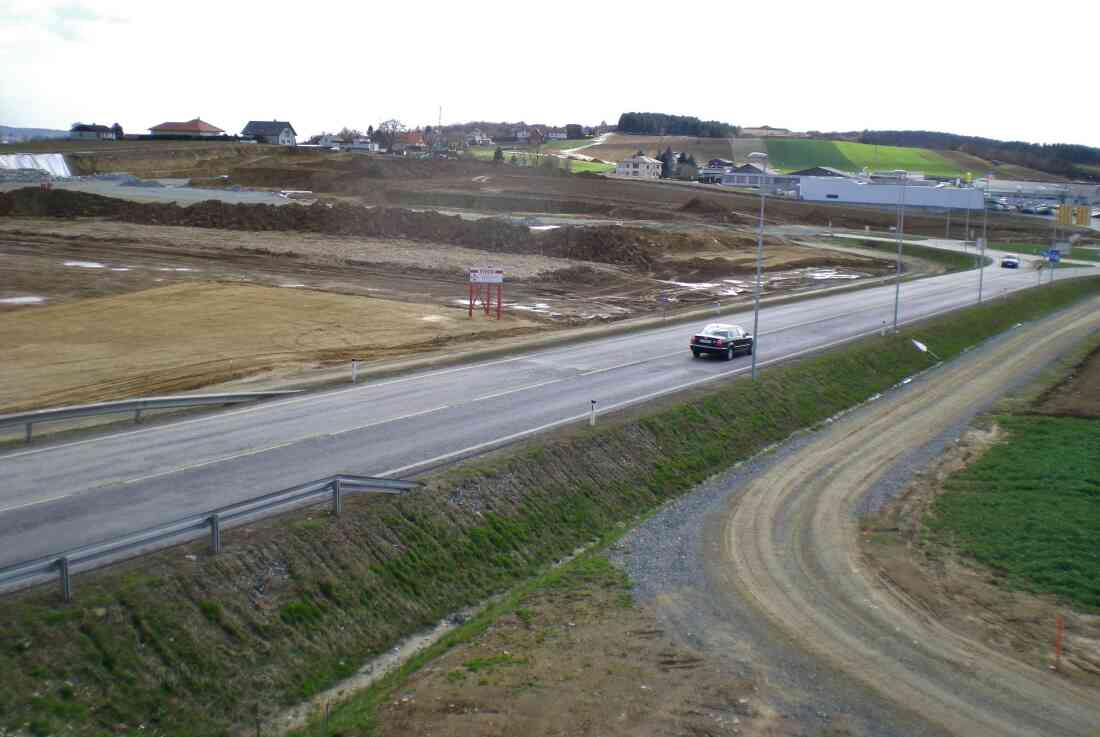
(1002, 69)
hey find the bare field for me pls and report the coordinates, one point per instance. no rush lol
(184, 336)
(620, 146)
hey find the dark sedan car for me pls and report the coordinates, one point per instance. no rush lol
(721, 340)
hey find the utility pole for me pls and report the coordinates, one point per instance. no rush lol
(901, 235)
(759, 260)
(985, 234)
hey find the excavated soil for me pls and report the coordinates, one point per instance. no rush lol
(1078, 395)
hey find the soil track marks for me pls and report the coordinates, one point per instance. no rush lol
(790, 551)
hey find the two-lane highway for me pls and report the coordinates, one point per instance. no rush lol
(58, 496)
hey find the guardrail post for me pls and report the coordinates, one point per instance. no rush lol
(137, 416)
(215, 534)
(337, 498)
(354, 371)
(27, 438)
(66, 579)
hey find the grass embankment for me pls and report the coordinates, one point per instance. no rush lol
(215, 644)
(1029, 507)
(950, 260)
(792, 154)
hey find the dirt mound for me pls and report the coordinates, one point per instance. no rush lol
(712, 210)
(626, 246)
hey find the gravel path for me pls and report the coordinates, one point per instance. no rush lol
(760, 567)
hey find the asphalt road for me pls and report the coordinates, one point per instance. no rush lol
(59, 496)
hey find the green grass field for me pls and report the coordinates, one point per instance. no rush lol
(485, 153)
(950, 260)
(1030, 507)
(1032, 249)
(792, 154)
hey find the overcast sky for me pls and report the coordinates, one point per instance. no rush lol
(1005, 70)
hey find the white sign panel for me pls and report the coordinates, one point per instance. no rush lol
(486, 276)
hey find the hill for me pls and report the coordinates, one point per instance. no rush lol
(792, 154)
(27, 134)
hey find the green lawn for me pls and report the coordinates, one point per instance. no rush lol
(1030, 507)
(792, 154)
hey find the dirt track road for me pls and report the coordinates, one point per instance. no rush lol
(788, 551)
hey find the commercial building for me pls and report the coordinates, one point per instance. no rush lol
(861, 192)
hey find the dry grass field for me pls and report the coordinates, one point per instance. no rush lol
(189, 335)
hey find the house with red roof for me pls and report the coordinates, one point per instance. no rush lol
(195, 128)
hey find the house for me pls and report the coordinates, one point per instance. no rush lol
(477, 138)
(271, 131)
(639, 166)
(331, 139)
(522, 135)
(556, 134)
(721, 163)
(84, 131)
(766, 131)
(410, 142)
(194, 128)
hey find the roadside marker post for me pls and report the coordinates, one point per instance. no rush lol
(592, 414)
(1059, 629)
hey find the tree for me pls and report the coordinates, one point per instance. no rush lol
(117, 130)
(388, 132)
(668, 163)
(498, 155)
(370, 132)
(349, 134)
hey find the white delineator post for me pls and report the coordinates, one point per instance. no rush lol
(592, 414)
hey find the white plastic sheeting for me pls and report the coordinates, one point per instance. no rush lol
(52, 164)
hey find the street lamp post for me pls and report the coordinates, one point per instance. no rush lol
(985, 233)
(901, 231)
(759, 260)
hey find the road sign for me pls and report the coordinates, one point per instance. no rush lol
(1054, 255)
(486, 276)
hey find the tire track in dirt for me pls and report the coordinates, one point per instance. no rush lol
(790, 551)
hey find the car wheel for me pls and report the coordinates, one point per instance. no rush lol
(694, 353)
(729, 353)
(749, 353)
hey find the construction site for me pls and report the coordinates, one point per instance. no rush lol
(142, 295)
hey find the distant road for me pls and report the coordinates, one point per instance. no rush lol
(62, 495)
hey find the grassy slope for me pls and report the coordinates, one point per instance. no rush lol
(302, 603)
(1030, 507)
(791, 154)
(950, 260)
(1083, 254)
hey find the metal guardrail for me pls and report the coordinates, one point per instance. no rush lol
(64, 564)
(137, 406)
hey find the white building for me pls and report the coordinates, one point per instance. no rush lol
(556, 134)
(362, 146)
(639, 166)
(95, 132)
(855, 191)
